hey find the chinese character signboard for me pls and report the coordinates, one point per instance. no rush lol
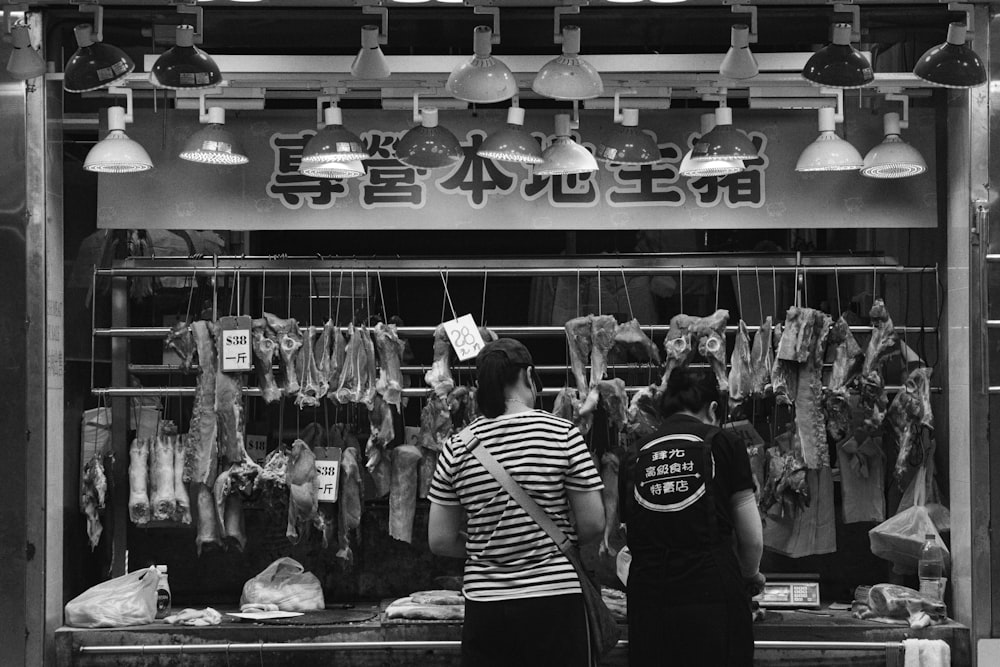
(269, 192)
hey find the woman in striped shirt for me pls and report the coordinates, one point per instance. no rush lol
(523, 599)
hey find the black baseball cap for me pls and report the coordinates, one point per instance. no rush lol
(514, 352)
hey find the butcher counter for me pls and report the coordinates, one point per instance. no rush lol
(361, 636)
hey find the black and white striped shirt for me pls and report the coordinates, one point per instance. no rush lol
(508, 555)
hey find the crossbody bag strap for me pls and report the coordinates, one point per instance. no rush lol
(520, 496)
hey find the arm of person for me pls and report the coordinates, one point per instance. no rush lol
(749, 532)
(446, 530)
(588, 509)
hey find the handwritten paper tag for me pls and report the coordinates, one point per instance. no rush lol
(329, 474)
(464, 336)
(235, 353)
(257, 448)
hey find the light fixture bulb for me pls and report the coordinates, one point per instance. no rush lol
(333, 170)
(482, 79)
(370, 63)
(838, 64)
(829, 152)
(739, 62)
(185, 66)
(428, 145)
(628, 144)
(565, 156)
(952, 64)
(698, 168)
(25, 62)
(724, 142)
(334, 143)
(512, 143)
(214, 144)
(116, 153)
(569, 77)
(893, 158)
(95, 64)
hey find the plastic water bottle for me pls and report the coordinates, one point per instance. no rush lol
(163, 601)
(931, 568)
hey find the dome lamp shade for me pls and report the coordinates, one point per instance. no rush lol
(214, 144)
(565, 156)
(333, 170)
(569, 77)
(512, 143)
(893, 158)
(952, 64)
(482, 79)
(724, 142)
(333, 142)
(697, 168)
(428, 145)
(184, 66)
(739, 62)
(24, 62)
(116, 153)
(829, 152)
(839, 64)
(95, 64)
(628, 144)
(370, 63)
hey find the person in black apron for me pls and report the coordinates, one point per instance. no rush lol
(687, 498)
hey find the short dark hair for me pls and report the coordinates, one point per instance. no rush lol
(495, 373)
(690, 389)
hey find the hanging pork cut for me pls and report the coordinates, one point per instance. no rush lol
(631, 344)
(761, 361)
(579, 339)
(740, 372)
(567, 405)
(643, 417)
(909, 413)
(679, 346)
(331, 356)
(601, 339)
(710, 332)
(265, 349)
(847, 359)
(182, 501)
(161, 472)
(289, 337)
(610, 463)
(201, 447)
(229, 411)
(439, 376)
(138, 481)
(311, 386)
(207, 524)
(180, 340)
(405, 461)
(614, 400)
(349, 503)
(303, 487)
(871, 383)
(382, 434)
(390, 352)
(93, 492)
(229, 512)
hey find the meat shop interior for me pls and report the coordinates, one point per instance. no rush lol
(252, 249)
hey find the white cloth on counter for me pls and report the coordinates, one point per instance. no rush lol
(197, 617)
(926, 653)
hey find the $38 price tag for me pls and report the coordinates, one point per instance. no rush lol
(328, 468)
(464, 336)
(235, 353)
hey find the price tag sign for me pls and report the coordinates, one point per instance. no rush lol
(235, 353)
(328, 468)
(464, 336)
(257, 448)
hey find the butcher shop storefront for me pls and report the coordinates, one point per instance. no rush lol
(250, 268)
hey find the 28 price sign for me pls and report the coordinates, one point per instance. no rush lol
(464, 336)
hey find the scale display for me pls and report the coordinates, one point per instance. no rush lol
(789, 594)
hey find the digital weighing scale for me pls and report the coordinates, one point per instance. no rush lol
(790, 591)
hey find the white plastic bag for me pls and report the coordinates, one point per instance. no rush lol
(126, 600)
(285, 583)
(622, 564)
(900, 538)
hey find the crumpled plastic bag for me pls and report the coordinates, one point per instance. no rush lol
(126, 600)
(900, 538)
(285, 583)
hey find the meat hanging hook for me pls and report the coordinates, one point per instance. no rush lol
(234, 290)
(578, 288)
(354, 311)
(447, 294)
(774, 292)
(600, 309)
(681, 288)
(288, 304)
(482, 312)
(310, 298)
(739, 291)
(760, 296)
(340, 291)
(628, 298)
(329, 295)
(381, 293)
(718, 285)
(194, 285)
(836, 281)
(263, 292)
(874, 283)
(215, 291)
(368, 299)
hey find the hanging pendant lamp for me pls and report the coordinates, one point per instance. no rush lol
(213, 144)
(116, 153)
(333, 142)
(428, 145)
(839, 64)
(628, 144)
(739, 62)
(565, 156)
(569, 77)
(724, 142)
(482, 79)
(185, 66)
(893, 158)
(95, 64)
(952, 64)
(24, 62)
(512, 143)
(333, 170)
(697, 168)
(829, 152)
(370, 63)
